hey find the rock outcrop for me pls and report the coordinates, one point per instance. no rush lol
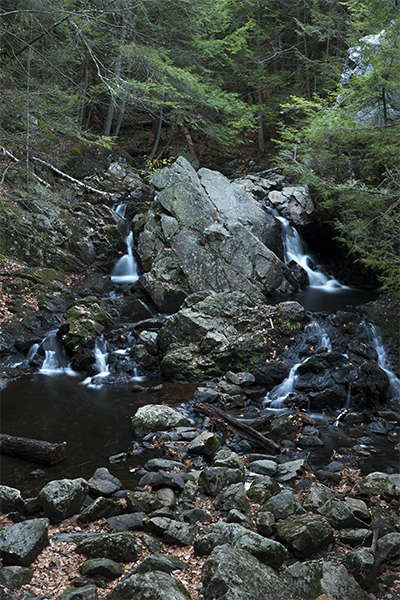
(207, 234)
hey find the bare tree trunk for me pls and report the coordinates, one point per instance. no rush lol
(157, 136)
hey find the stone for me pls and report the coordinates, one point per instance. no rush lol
(227, 458)
(167, 497)
(304, 534)
(235, 516)
(339, 514)
(149, 341)
(214, 479)
(155, 464)
(283, 505)
(153, 585)
(323, 581)
(242, 379)
(10, 500)
(160, 562)
(265, 522)
(102, 483)
(195, 515)
(157, 417)
(99, 509)
(292, 469)
(317, 495)
(180, 533)
(161, 479)
(388, 548)
(208, 395)
(87, 592)
(142, 502)
(263, 467)
(101, 566)
(379, 484)
(282, 426)
(206, 444)
(269, 552)
(218, 534)
(121, 547)
(188, 493)
(15, 577)
(359, 508)
(309, 441)
(21, 543)
(63, 498)
(337, 583)
(231, 574)
(361, 563)
(356, 537)
(130, 522)
(233, 497)
(262, 489)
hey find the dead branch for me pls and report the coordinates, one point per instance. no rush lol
(241, 429)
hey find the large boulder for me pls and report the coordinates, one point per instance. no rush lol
(156, 417)
(212, 235)
(231, 574)
(304, 534)
(21, 543)
(228, 331)
(63, 498)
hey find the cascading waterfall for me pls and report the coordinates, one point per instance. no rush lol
(394, 382)
(276, 398)
(294, 249)
(125, 270)
(101, 361)
(55, 357)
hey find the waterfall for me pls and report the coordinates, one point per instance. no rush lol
(277, 396)
(55, 357)
(295, 250)
(101, 356)
(394, 382)
(32, 351)
(125, 270)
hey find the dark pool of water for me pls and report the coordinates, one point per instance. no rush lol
(95, 423)
(323, 300)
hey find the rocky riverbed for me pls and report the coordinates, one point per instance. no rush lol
(205, 522)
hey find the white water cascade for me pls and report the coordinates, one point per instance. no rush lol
(125, 270)
(294, 250)
(55, 357)
(101, 362)
(394, 382)
(276, 398)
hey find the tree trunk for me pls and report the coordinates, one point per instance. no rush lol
(29, 449)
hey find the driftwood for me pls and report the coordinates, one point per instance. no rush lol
(38, 450)
(241, 429)
(262, 422)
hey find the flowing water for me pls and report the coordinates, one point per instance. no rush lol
(51, 403)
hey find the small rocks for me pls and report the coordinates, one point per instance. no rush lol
(121, 547)
(205, 444)
(103, 483)
(214, 479)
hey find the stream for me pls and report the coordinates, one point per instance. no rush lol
(57, 404)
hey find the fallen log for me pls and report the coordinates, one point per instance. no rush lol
(37, 450)
(241, 429)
